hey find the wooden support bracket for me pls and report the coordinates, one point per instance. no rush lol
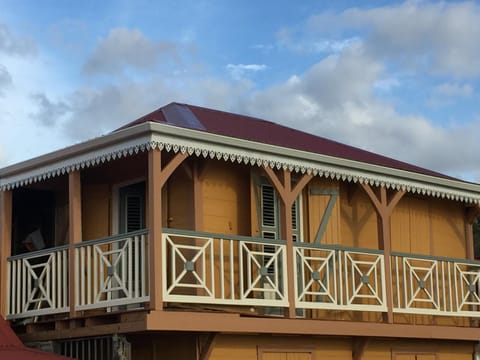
(359, 347)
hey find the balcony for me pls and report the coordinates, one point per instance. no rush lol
(232, 272)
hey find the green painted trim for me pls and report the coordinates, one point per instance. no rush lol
(112, 238)
(438, 258)
(337, 247)
(77, 245)
(200, 234)
(326, 214)
(38, 253)
(323, 192)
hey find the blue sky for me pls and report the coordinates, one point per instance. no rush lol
(398, 78)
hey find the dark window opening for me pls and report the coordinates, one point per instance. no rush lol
(132, 207)
(33, 220)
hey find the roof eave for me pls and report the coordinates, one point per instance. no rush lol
(148, 135)
(77, 149)
(315, 157)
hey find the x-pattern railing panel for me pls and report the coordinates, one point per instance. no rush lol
(364, 274)
(330, 278)
(467, 288)
(38, 284)
(205, 268)
(264, 272)
(112, 272)
(317, 278)
(189, 266)
(435, 286)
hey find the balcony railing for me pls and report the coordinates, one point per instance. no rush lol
(220, 269)
(38, 283)
(436, 286)
(226, 270)
(109, 272)
(339, 278)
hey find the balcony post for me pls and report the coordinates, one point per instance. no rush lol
(157, 178)
(155, 228)
(75, 232)
(288, 197)
(384, 208)
(5, 245)
(471, 214)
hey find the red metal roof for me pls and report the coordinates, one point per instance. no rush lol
(12, 348)
(262, 131)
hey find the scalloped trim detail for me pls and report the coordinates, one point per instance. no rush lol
(321, 170)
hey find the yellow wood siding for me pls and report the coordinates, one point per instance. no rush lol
(95, 211)
(180, 201)
(429, 226)
(226, 205)
(279, 355)
(247, 347)
(417, 349)
(358, 218)
(251, 347)
(448, 229)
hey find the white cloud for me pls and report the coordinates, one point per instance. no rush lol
(436, 37)
(334, 98)
(48, 112)
(238, 71)
(307, 44)
(12, 44)
(454, 89)
(125, 48)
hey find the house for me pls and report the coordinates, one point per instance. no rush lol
(192, 233)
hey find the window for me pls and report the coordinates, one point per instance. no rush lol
(132, 207)
(269, 214)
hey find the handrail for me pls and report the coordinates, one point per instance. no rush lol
(433, 257)
(337, 247)
(37, 253)
(112, 238)
(191, 233)
(80, 244)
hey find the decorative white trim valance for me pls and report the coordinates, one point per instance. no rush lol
(201, 144)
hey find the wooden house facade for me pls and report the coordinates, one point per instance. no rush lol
(197, 234)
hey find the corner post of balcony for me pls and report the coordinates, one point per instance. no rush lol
(288, 197)
(158, 175)
(75, 233)
(384, 208)
(5, 245)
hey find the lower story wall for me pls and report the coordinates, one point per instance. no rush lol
(191, 346)
(262, 347)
